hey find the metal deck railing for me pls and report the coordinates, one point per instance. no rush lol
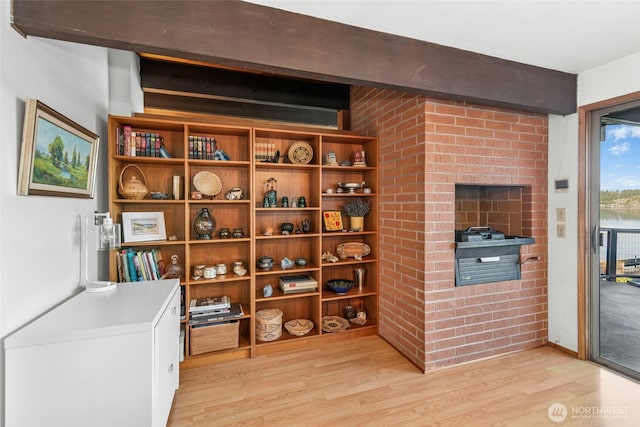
(619, 253)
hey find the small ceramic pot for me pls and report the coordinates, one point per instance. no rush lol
(265, 263)
(235, 193)
(198, 270)
(286, 228)
(221, 269)
(210, 272)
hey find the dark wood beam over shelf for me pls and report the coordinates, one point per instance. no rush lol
(252, 37)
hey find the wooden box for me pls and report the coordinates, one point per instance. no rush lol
(218, 336)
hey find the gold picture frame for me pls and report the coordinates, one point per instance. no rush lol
(58, 156)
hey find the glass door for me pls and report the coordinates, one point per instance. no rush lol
(615, 240)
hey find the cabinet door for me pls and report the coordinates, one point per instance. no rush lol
(165, 359)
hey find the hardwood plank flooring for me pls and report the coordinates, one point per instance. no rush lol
(365, 382)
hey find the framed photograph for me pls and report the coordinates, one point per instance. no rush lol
(332, 220)
(143, 226)
(58, 157)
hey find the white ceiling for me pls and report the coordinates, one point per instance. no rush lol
(564, 35)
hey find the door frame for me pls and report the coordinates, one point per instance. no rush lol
(585, 225)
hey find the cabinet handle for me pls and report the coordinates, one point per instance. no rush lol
(170, 370)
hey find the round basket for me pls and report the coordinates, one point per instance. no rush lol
(300, 152)
(208, 183)
(132, 188)
(299, 327)
(268, 324)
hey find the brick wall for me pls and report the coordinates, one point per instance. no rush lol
(427, 146)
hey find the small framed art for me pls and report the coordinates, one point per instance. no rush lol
(332, 220)
(143, 226)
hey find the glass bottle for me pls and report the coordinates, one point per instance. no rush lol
(174, 269)
(271, 192)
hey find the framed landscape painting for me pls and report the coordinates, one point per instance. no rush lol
(58, 157)
(143, 226)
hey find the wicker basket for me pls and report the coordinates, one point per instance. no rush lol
(218, 336)
(132, 188)
(268, 324)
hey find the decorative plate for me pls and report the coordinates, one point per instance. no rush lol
(334, 324)
(299, 327)
(300, 152)
(353, 249)
(208, 183)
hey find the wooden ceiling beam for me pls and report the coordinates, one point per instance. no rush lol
(263, 39)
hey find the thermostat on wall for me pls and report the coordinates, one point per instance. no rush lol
(562, 185)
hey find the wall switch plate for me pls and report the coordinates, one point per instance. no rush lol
(561, 231)
(561, 214)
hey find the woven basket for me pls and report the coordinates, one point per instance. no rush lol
(268, 324)
(132, 188)
(208, 183)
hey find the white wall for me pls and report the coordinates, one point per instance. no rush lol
(39, 236)
(608, 81)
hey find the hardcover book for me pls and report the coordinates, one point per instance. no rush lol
(211, 303)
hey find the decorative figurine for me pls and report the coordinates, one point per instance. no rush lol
(286, 264)
(358, 158)
(267, 291)
(331, 159)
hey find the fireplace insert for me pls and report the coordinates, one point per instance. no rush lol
(485, 255)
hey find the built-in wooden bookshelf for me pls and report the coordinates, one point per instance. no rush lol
(247, 163)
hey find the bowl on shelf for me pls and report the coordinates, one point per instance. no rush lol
(299, 327)
(350, 187)
(340, 286)
(157, 195)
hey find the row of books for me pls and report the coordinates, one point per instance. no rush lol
(135, 266)
(265, 151)
(141, 144)
(202, 147)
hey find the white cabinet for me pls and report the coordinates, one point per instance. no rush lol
(98, 359)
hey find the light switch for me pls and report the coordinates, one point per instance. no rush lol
(561, 214)
(562, 231)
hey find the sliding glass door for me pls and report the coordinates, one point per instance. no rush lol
(615, 241)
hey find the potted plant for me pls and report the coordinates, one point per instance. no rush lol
(356, 210)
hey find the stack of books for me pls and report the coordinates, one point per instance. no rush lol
(213, 309)
(296, 284)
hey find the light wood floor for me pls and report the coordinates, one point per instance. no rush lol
(365, 382)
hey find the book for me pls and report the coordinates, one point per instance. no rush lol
(161, 266)
(300, 283)
(234, 313)
(209, 312)
(211, 303)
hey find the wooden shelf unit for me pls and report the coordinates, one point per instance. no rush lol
(250, 174)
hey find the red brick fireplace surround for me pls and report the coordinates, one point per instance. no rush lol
(427, 148)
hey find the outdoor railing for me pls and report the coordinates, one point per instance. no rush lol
(619, 252)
